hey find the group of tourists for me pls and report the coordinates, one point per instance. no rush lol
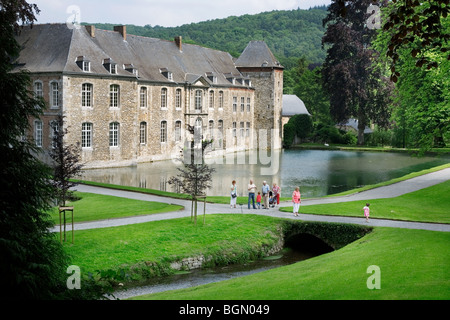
(268, 196)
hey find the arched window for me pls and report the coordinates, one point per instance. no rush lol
(54, 94)
(178, 99)
(143, 97)
(143, 133)
(177, 131)
(163, 131)
(198, 100)
(163, 98)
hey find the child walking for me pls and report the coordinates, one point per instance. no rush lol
(258, 200)
(367, 211)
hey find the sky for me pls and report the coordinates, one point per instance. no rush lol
(166, 13)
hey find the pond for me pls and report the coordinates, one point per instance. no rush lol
(317, 172)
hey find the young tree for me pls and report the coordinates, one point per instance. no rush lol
(66, 163)
(195, 177)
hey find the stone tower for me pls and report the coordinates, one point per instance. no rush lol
(266, 73)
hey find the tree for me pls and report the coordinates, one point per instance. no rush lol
(66, 164)
(353, 84)
(32, 261)
(195, 177)
(417, 27)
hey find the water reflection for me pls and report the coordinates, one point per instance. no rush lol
(317, 172)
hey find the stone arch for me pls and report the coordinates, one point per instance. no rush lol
(306, 242)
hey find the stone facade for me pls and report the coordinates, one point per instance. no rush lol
(140, 112)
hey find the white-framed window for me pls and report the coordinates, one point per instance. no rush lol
(86, 95)
(220, 99)
(211, 99)
(86, 66)
(143, 97)
(234, 129)
(114, 96)
(38, 133)
(242, 129)
(249, 105)
(86, 135)
(199, 128)
(220, 129)
(143, 133)
(242, 104)
(163, 131)
(247, 130)
(177, 131)
(164, 98)
(54, 129)
(198, 100)
(38, 89)
(211, 129)
(114, 133)
(178, 99)
(113, 68)
(234, 104)
(54, 94)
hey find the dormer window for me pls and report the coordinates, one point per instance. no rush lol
(212, 77)
(130, 68)
(110, 65)
(83, 64)
(230, 78)
(166, 73)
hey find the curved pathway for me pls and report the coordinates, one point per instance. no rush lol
(390, 191)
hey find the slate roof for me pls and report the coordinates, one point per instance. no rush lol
(256, 55)
(293, 105)
(55, 48)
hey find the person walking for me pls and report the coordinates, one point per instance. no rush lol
(233, 194)
(258, 200)
(296, 199)
(265, 193)
(276, 191)
(251, 194)
(366, 210)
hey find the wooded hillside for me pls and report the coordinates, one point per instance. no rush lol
(289, 34)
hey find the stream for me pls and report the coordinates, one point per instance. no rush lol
(204, 276)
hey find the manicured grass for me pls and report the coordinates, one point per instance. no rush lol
(170, 240)
(93, 207)
(414, 264)
(428, 205)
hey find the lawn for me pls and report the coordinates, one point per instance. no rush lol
(414, 264)
(169, 240)
(93, 207)
(428, 205)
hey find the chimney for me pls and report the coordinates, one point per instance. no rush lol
(179, 42)
(91, 31)
(122, 30)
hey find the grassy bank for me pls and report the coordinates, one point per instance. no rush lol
(414, 264)
(428, 205)
(93, 207)
(230, 237)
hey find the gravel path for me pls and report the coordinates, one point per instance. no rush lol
(390, 191)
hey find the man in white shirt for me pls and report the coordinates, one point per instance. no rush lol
(251, 194)
(265, 192)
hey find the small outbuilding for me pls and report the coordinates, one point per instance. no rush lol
(292, 105)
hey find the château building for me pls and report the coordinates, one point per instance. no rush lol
(128, 99)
